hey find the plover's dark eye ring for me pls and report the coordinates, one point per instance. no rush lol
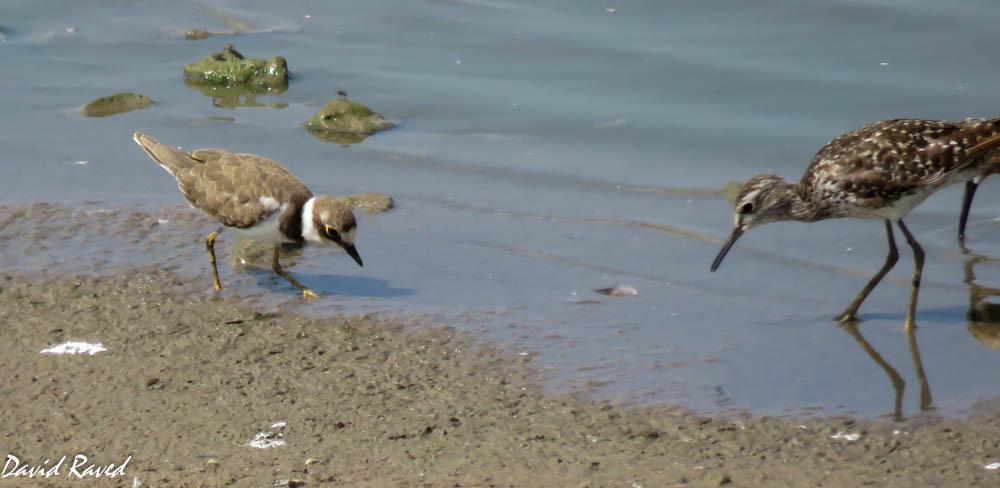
(330, 231)
(746, 208)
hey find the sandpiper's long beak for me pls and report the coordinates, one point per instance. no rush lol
(351, 251)
(737, 232)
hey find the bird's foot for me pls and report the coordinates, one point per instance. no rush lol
(307, 293)
(846, 317)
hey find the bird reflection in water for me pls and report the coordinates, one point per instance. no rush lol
(984, 324)
(983, 314)
(898, 384)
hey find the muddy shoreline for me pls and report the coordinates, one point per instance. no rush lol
(189, 378)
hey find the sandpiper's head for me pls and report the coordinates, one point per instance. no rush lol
(762, 199)
(328, 221)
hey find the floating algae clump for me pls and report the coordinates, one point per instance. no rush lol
(371, 203)
(234, 81)
(230, 68)
(198, 34)
(345, 122)
(253, 253)
(116, 104)
(731, 190)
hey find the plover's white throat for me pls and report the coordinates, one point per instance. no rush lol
(878, 171)
(256, 197)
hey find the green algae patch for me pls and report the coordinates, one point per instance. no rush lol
(232, 80)
(198, 34)
(235, 25)
(230, 68)
(731, 190)
(372, 203)
(345, 122)
(247, 252)
(116, 104)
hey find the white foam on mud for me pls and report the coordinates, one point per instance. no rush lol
(849, 437)
(75, 347)
(269, 439)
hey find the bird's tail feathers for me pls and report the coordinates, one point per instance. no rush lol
(171, 159)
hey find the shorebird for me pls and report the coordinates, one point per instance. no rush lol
(878, 171)
(343, 94)
(256, 197)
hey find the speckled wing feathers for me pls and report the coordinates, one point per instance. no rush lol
(881, 161)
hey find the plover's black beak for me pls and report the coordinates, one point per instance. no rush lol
(354, 254)
(737, 232)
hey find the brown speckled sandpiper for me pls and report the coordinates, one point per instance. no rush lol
(256, 197)
(878, 171)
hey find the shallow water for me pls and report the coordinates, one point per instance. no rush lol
(547, 149)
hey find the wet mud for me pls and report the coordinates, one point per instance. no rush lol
(203, 389)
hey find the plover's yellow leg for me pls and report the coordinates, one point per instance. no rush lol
(851, 313)
(306, 293)
(210, 245)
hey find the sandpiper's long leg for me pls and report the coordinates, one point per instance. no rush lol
(970, 191)
(918, 268)
(306, 293)
(850, 313)
(210, 245)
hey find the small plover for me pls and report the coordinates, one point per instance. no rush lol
(256, 197)
(878, 171)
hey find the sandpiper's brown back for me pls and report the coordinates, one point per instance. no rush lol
(882, 161)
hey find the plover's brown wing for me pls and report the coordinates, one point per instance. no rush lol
(208, 154)
(170, 158)
(240, 189)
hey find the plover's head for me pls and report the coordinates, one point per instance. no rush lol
(762, 199)
(328, 221)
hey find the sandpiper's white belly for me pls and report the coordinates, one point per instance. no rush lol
(900, 207)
